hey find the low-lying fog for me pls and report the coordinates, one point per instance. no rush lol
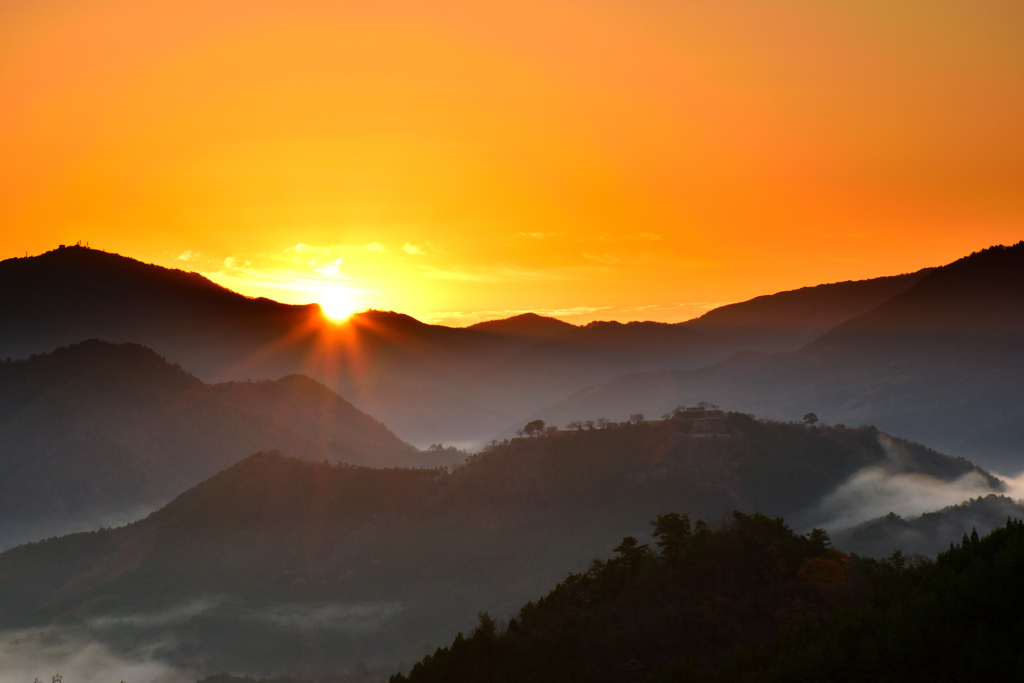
(876, 491)
(78, 657)
(165, 646)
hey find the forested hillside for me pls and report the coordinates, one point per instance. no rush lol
(752, 601)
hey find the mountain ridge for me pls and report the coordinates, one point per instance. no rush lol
(96, 430)
(939, 362)
(508, 367)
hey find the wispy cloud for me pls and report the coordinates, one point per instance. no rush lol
(173, 615)
(648, 258)
(631, 237)
(301, 273)
(338, 616)
(412, 249)
(697, 307)
(332, 270)
(497, 274)
(619, 259)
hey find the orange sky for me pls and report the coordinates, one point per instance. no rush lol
(458, 160)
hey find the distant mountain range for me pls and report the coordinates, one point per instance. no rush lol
(98, 433)
(430, 383)
(236, 572)
(941, 362)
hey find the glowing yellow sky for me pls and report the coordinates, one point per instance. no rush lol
(457, 160)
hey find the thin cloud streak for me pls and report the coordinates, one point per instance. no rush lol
(371, 275)
(499, 274)
(574, 314)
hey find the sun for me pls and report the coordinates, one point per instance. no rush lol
(337, 307)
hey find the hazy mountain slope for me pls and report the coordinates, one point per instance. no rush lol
(950, 349)
(417, 553)
(97, 431)
(425, 416)
(1001, 444)
(941, 362)
(599, 351)
(932, 532)
(788, 320)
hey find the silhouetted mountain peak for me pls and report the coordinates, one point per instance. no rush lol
(388, 319)
(83, 266)
(525, 325)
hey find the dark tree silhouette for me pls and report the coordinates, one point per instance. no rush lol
(533, 428)
(672, 531)
(631, 551)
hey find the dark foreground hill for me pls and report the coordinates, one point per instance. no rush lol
(277, 565)
(942, 363)
(708, 606)
(96, 433)
(415, 377)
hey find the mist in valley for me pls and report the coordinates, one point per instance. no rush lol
(889, 487)
(200, 638)
(79, 657)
